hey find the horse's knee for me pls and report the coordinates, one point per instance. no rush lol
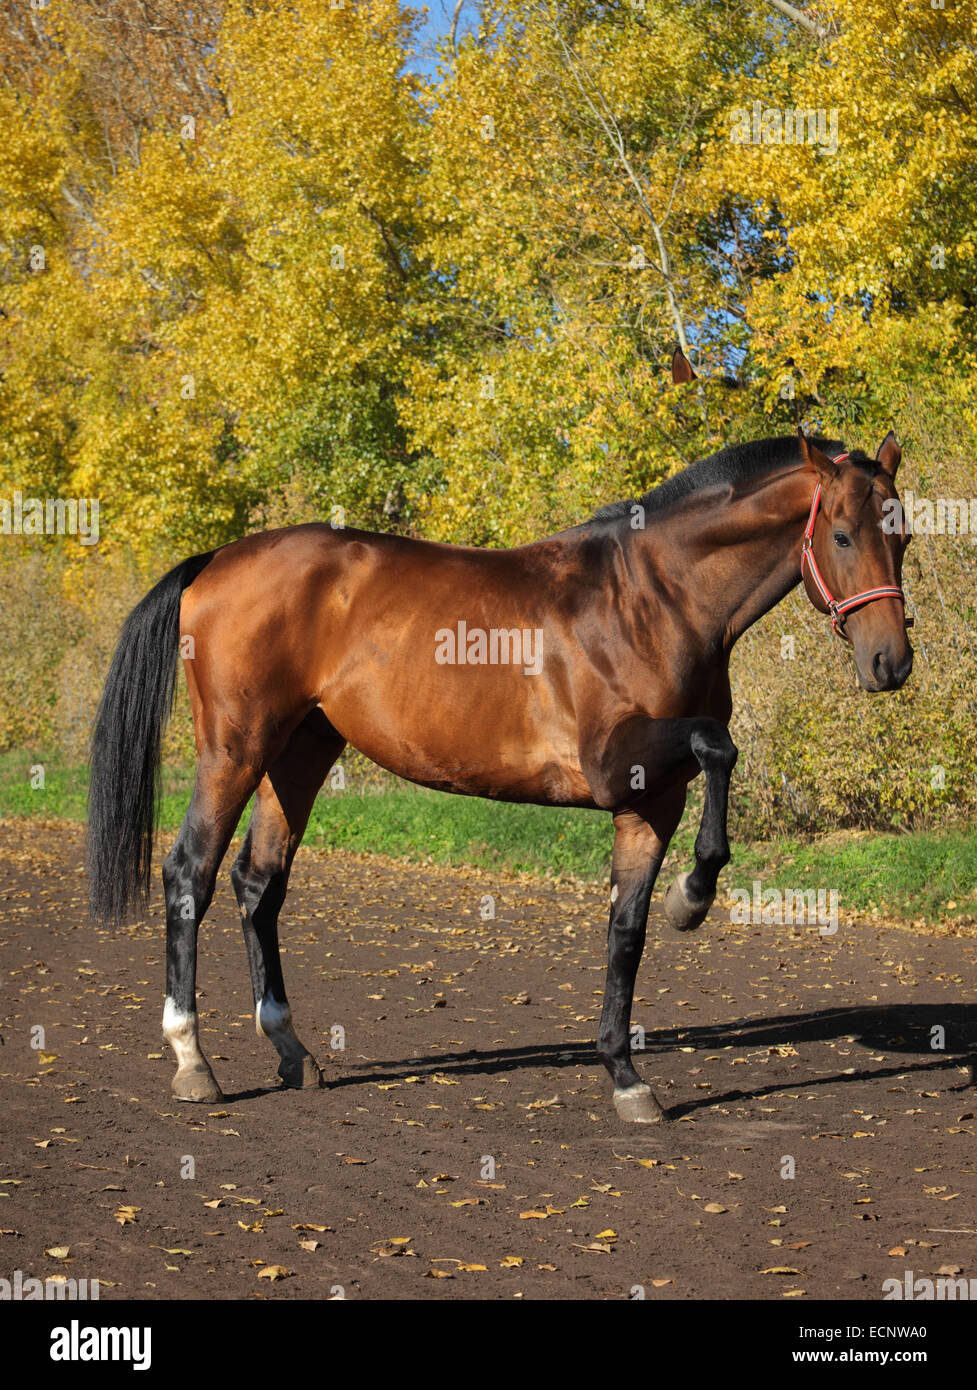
(713, 746)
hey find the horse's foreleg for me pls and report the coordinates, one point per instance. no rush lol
(260, 877)
(640, 842)
(690, 897)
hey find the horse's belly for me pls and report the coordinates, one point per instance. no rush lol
(477, 747)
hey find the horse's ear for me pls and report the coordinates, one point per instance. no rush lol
(889, 455)
(681, 368)
(825, 467)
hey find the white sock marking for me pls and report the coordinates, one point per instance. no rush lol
(180, 1031)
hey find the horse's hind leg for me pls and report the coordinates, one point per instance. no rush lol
(220, 794)
(260, 877)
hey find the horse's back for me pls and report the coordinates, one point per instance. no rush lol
(428, 658)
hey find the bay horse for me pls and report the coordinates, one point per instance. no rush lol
(587, 669)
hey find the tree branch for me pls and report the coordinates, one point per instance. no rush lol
(811, 26)
(454, 27)
(612, 131)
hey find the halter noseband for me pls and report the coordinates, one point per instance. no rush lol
(839, 608)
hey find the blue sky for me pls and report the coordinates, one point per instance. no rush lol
(438, 25)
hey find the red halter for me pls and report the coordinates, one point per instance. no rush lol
(839, 608)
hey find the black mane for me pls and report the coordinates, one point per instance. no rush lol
(729, 465)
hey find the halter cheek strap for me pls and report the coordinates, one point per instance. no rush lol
(839, 608)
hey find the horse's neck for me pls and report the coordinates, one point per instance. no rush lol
(742, 556)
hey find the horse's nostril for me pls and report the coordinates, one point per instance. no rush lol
(888, 675)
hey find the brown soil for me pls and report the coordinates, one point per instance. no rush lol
(468, 1041)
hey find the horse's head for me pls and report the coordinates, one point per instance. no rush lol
(852, 565)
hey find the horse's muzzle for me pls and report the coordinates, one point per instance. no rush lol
(887, 673)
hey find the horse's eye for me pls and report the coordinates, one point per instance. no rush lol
(841, 539)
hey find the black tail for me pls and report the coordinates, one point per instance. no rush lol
(123, 792)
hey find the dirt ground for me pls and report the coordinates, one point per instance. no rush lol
(467, 1146)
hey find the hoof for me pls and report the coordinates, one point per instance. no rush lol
(637, 1105)
(683, 912)
(301, 1073)
(197, 1085)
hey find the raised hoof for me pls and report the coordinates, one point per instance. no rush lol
(637, 1105)
(197, 1085)
(301, 1073)
(685, 913)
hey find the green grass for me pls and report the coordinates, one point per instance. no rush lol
(404, 822)
(64, 794)
(928, 876)
(925, 876)
(410, 822)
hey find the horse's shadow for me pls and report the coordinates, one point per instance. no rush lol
(944, 1034)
